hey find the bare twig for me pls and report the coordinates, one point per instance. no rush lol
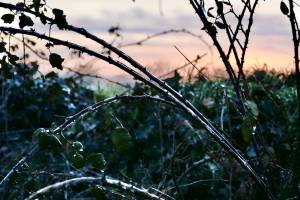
(97, 76)
(149, 37)
(199, 57)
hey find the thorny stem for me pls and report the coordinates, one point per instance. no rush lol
(211, 32)
(153, 81)
(178, 99)
(296, 42)
(106, 181)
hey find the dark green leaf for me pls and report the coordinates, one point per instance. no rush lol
(77, 146)
(43, 137)
(97, 160)
(248, 126)
(121, 140)
(8, 18)
(78, 161)
(252, 107)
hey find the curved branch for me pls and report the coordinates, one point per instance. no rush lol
(72, 119)
(107, 181)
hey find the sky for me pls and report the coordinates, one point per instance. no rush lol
(270, 42)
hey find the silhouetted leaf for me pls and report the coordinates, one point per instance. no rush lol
(13, 59)
(20, 5)
(60, 18)
(284, 9)
(8, 18)
(36, 4)
(25, 21)
(56, 61)
(43, 18)
(2, 47)
(49, 44)
(211, 29)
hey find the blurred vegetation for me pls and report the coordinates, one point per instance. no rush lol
(143, 142)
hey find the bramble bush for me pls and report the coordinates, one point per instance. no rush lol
(230, 138)
(159, 141)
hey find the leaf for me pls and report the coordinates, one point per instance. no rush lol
(121, 140)
(25, 21)
(43, 18)
(248, 126)
(20, 5)
(284, 9)
(43, 137)
(78, 161)
(60, 18)
(2, 47)
(220, 25)
(56, 61)
(8, 18)
(97, 160)
(211, 29)
(49, 44)
(252, 107)
(13, 59)
(36, 4)
(77, 146)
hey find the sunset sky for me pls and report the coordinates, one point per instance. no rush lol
(270, 41)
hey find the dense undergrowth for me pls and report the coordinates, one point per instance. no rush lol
(143, 142)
